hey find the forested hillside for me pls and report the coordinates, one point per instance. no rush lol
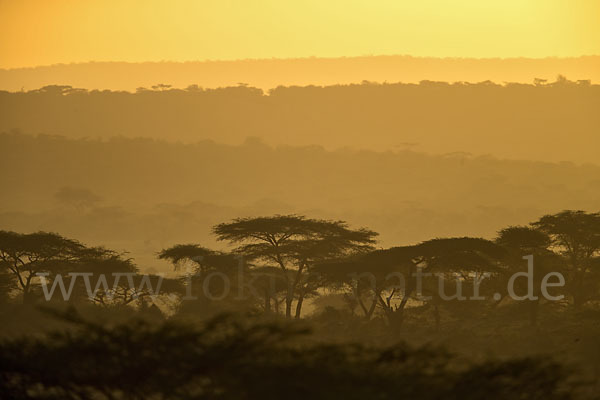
(506, 121)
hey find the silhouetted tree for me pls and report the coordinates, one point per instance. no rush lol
(77, 198)
(455, 263)
(201, 263)
(200, 258)
(390, 276)
(521, 241)
(293, 243)
(25, 255)
(7, 284)
(115, 281)
(576, 235)
(375, 278)
(270, 283)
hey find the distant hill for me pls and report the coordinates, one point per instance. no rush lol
(154, 194)
(556, 121)
(270, 73)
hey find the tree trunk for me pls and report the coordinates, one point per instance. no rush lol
(396, 316)
(299, 305)
(288, 306)
(28, 297)
(396, 319)
(291, 289)
(267, 303)
(277, 304)
(369, 312)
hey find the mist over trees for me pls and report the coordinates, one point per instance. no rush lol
(143, 195)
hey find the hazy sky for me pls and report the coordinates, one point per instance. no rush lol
(40, 32)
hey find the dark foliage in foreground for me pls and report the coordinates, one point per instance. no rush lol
(227, 358)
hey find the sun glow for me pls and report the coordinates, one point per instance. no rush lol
(40, 32)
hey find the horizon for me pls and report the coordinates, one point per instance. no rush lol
(63, 31)
(269, 73)
(309, 57)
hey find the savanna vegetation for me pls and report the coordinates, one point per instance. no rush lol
(186, 269)
(295, 306)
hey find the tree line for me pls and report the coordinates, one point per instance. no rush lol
(367, 115)
(288, 259)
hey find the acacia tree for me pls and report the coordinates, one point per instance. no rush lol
(455, 263)
(309, 252)
(293, 243)
(390, 278)
(520, 241)
(576, 236)
(116, 281)
(26, 255)
(372, 279)
(7, 285)
(101, 268)
(266, 280)
(432, 269)
(201, 261)
(270, 284)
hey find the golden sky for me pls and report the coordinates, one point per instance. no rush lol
(41, 32)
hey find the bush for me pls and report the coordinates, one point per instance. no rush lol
(232, 358)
